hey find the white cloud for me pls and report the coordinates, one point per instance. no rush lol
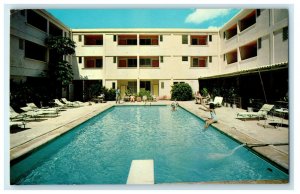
(202, 15)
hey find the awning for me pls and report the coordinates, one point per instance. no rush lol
(270, 67)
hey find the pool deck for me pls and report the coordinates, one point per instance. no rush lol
(271, 142)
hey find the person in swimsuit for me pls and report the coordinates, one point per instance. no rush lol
(213, 116)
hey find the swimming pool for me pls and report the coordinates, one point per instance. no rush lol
(100, 151)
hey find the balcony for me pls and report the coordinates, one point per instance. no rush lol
(149, 62)
(93, 40)
(127, 39)
(93, 62)
(148, 40)
(127, 62)
(199, 40)
(199, 61)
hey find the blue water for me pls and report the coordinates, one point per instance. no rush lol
(100, 151)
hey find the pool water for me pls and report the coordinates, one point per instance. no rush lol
(100, 151)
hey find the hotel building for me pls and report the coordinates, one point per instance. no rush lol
(154, 59)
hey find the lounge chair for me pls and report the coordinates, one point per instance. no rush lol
(261, 114)
(14, 116)
(217, 101)
(69, 103)
(17, 123)
(44, 110)
(30, 113)
(60, 104)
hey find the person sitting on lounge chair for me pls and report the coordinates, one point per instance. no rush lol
(198, 98)
(132, 98)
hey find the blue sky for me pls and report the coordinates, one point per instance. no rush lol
(144, 18)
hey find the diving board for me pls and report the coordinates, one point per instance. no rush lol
(141, 172)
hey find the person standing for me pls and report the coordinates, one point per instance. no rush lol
(118, 96)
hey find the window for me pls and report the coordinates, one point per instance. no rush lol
(174, 83)
(210, 59)
(184, 39)
(259, 43)
(161, 59)
(79, 38)
(80, 59)
(115, 38)
(146, 85)
(224, 35)
(132, 62)
(114, 85)
(131, 42)
(65, 34)
(194, 41)
(36, 20)
(224, 57)
(132, 86)
(145, 41)
(195, 62)
(199, 62)
(145, 62)
(115, 59)
(184, 58)
(21, 44)
(99, 63)
(161, 38)
(93, 62)
(35, 51)
(210, 38)
(285, 33)
(162, 85)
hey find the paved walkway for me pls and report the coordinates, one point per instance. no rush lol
(271, 142)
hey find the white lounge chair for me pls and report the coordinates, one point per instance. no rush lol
(17, 123)
(69, 103)
(14, 116)
(60, 104)
(261, 114)
(218, 101)
(44, 111)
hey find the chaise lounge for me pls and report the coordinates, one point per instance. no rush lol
(261, 114)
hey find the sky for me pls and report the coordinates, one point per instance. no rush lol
(144, 18)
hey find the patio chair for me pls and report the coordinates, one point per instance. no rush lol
(59, 104)
(217, 101)
(31, 113)
(261, 114)
(14, 116)
(44, 110)
(17, 124)
(69, 103)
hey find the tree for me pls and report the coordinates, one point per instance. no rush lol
(182, 92)
(59, 71)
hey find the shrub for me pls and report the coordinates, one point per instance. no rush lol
(144, 92)
(110, 94)
(182, 92)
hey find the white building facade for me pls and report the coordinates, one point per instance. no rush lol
(153, 59)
